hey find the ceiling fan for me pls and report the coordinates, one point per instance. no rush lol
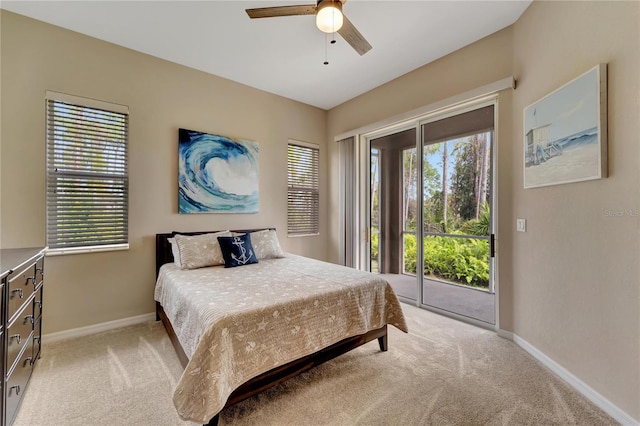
(329, 19)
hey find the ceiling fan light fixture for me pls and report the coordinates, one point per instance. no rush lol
(329, 16)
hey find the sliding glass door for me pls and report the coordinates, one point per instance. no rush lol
(457, 222)
(431, 224)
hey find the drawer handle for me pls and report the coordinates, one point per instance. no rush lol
(15, 336)
(30, 279)
(28, 318)
(19, 291)
(41, 270)
(27, 360)
(17, 388)
(37, 339)
(38, 302)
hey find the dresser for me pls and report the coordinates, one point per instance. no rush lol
(22, 274)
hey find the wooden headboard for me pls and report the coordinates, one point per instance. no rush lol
(163, 246)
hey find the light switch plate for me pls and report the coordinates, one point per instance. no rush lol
(521, 225)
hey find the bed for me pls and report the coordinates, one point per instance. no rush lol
(238, 331)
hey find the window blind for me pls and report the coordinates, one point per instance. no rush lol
(303, 195)
(87, 175)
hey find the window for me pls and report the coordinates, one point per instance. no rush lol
(87, 175)
(303, 207)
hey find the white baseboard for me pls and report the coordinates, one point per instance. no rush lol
(96, 328)
(505, 334)
(593, 396)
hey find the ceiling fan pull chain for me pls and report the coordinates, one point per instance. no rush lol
(326, 60)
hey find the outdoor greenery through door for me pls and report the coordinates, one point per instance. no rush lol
(456, 190)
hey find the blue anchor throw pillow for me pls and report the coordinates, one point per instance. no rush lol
(237, 251)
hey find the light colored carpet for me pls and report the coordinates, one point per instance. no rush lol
(443, 372)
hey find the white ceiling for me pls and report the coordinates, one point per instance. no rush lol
(284, 55)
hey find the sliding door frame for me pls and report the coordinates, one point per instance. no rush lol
(364, 213)
(485, 92)
(493, 201)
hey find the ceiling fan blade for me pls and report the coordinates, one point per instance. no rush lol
(353, 37)
(269, 12)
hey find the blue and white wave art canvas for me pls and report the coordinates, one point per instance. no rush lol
(217, 174)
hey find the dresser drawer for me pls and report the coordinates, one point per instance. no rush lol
(2, 333)
(39, 271)
(17, 383)
(18, 335)
(22, 270)
(37, 304)
(20, 288)
(37, 339)
(1, 321)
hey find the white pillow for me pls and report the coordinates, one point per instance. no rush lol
(175, 251)
(266, 245)
(198, 251)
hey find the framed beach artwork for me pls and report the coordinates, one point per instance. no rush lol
(565, 132)
(216, 174)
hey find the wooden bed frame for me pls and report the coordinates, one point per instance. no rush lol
(276, 375)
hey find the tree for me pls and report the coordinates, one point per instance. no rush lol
(409, 188)
(375, 187)
(432, 189)
(463, 181)
(445, 186)
(470, 184)
(484, 159)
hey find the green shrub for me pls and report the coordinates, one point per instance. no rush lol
(460, 260)
(479, 226)
(410, 253)
(374, 244)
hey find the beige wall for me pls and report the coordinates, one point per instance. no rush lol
(570, 285)
(576, 277)
(93, 288)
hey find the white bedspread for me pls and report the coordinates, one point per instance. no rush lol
(237, 323)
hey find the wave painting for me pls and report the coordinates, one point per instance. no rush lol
(216, 174)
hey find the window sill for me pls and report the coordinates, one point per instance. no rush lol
(87, 249)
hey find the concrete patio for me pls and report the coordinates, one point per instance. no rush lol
(466, 301)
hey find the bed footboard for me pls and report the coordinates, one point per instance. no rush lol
(285, 372)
